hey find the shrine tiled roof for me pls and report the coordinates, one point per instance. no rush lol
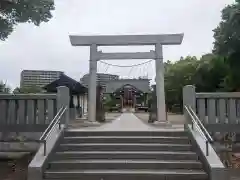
(140, 84)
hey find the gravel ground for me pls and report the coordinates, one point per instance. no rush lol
(175, 119)
(14, 169)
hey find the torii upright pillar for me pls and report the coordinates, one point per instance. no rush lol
(92, 83)
(160, 91)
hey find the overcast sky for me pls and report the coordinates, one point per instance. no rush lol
(48, 47)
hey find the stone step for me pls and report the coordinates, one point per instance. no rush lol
(173, 174)
(124, 164)
(124, 147)
(75, 133)
(159, 155)
(126, 139)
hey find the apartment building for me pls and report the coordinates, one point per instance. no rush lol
(38, 78)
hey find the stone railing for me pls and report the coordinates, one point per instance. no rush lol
(29, 112)
(219, 111)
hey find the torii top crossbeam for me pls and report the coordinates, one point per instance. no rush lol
(124, 40)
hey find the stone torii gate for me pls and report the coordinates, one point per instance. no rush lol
(127, 40)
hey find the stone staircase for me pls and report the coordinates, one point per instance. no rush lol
(117, 155)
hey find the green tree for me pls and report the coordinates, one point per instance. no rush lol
(227, 43)
(25, 90)
(211, 74)
(4, 88)
(208, 74)
(13, 12)
(177, 75)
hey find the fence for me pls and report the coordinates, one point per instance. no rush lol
(30, 112)
(219, 112)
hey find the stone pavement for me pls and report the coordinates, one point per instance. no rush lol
(129, 122)
(83, 122)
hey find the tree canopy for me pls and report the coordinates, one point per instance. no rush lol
(208, 74)
(4, 88)
(26, 90)
(227, 42)
(13, 12)
(217, 71)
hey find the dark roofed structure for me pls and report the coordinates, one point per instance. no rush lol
(75, 87)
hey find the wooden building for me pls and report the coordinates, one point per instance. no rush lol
(78, 92)
(129, 93)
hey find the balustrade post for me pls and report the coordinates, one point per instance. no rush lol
(189, 97)
(63, 100)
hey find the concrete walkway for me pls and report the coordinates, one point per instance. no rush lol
(129, 122)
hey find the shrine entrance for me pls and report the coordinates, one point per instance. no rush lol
(127, 40)
(127, 95)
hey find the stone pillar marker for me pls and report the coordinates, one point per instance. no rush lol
(92, 84)
(160, 92)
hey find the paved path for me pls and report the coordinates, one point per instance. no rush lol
(129, 122)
